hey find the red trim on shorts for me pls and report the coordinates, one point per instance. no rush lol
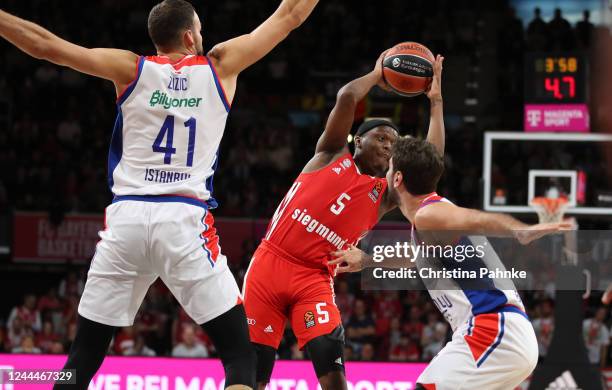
(211, 239)
(429, 386)
(484, 334)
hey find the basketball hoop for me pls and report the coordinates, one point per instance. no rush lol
(550, 209)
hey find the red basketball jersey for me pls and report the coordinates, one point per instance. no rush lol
(326, 210)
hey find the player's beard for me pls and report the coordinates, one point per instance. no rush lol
(393, 195)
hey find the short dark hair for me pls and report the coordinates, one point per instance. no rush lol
(167, 22)
(420, 164)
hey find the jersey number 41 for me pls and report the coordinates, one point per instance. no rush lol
(167, 132)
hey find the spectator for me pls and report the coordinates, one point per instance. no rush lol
(348, 353)
(344, 299)
(395, 332)
(360, 328)
(429, 330)
(190, 346)
(436, 343)
(596, 337)
(405, 351)
(16, 332)
(49, 305)
(46, 338)
(414, 326)
(28, 314)
(584, 30)
(124, 340)
(57, 348)
(71, 285)
(537, 32)
(561, 37)
(367, 352)
(544, 327)
(27, 346)
(139, 348)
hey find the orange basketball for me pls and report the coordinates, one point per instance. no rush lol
(408, 68)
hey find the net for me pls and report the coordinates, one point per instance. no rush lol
(550, 209)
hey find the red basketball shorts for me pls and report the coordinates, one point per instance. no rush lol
(277, 288)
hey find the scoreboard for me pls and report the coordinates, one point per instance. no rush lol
(556, 78)
(556, 92)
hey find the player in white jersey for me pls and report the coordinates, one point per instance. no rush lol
(493, 344)
(172, 110)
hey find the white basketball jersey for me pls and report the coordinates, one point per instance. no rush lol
(459, 299)
(169, 125)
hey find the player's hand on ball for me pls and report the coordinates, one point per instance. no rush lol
(435, 89)
(534, 232)
(348, 260)
(378, 70)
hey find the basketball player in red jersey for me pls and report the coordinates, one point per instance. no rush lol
(153, 228)
(335, 200)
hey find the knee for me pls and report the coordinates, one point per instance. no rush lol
(326, 353)
(265, 363)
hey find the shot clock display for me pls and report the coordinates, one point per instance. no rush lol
(555, 78)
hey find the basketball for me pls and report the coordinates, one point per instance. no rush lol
(408, 68)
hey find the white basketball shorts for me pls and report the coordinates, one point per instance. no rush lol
(146, 240)
(495, 351)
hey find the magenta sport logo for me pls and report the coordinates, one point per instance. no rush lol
(132, 373)
(557, 117)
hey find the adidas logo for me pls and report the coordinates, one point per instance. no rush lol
(338, 361)
(564, 381)
(337, 170)
(269, 329)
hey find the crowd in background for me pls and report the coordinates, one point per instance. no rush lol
(379, 325)
(54, 145)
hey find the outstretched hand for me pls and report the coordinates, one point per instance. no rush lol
(534, 232)
(348, 260)
(435, 89)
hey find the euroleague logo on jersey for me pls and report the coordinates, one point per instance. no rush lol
(309, 319)
(376, 191)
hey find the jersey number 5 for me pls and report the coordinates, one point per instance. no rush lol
(337, 207)
(167, 131)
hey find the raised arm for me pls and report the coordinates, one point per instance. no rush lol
(436, 134)
(444, 216)
(341, 118)
(115, 65)
(233, 56)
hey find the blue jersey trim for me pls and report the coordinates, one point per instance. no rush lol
(162, 199)
(116, 147)
(513, 309)
(132, 85)
(218, 84)
(497, 342)
(208, 184)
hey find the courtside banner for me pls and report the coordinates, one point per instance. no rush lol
(37, 239)
(132, 373)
